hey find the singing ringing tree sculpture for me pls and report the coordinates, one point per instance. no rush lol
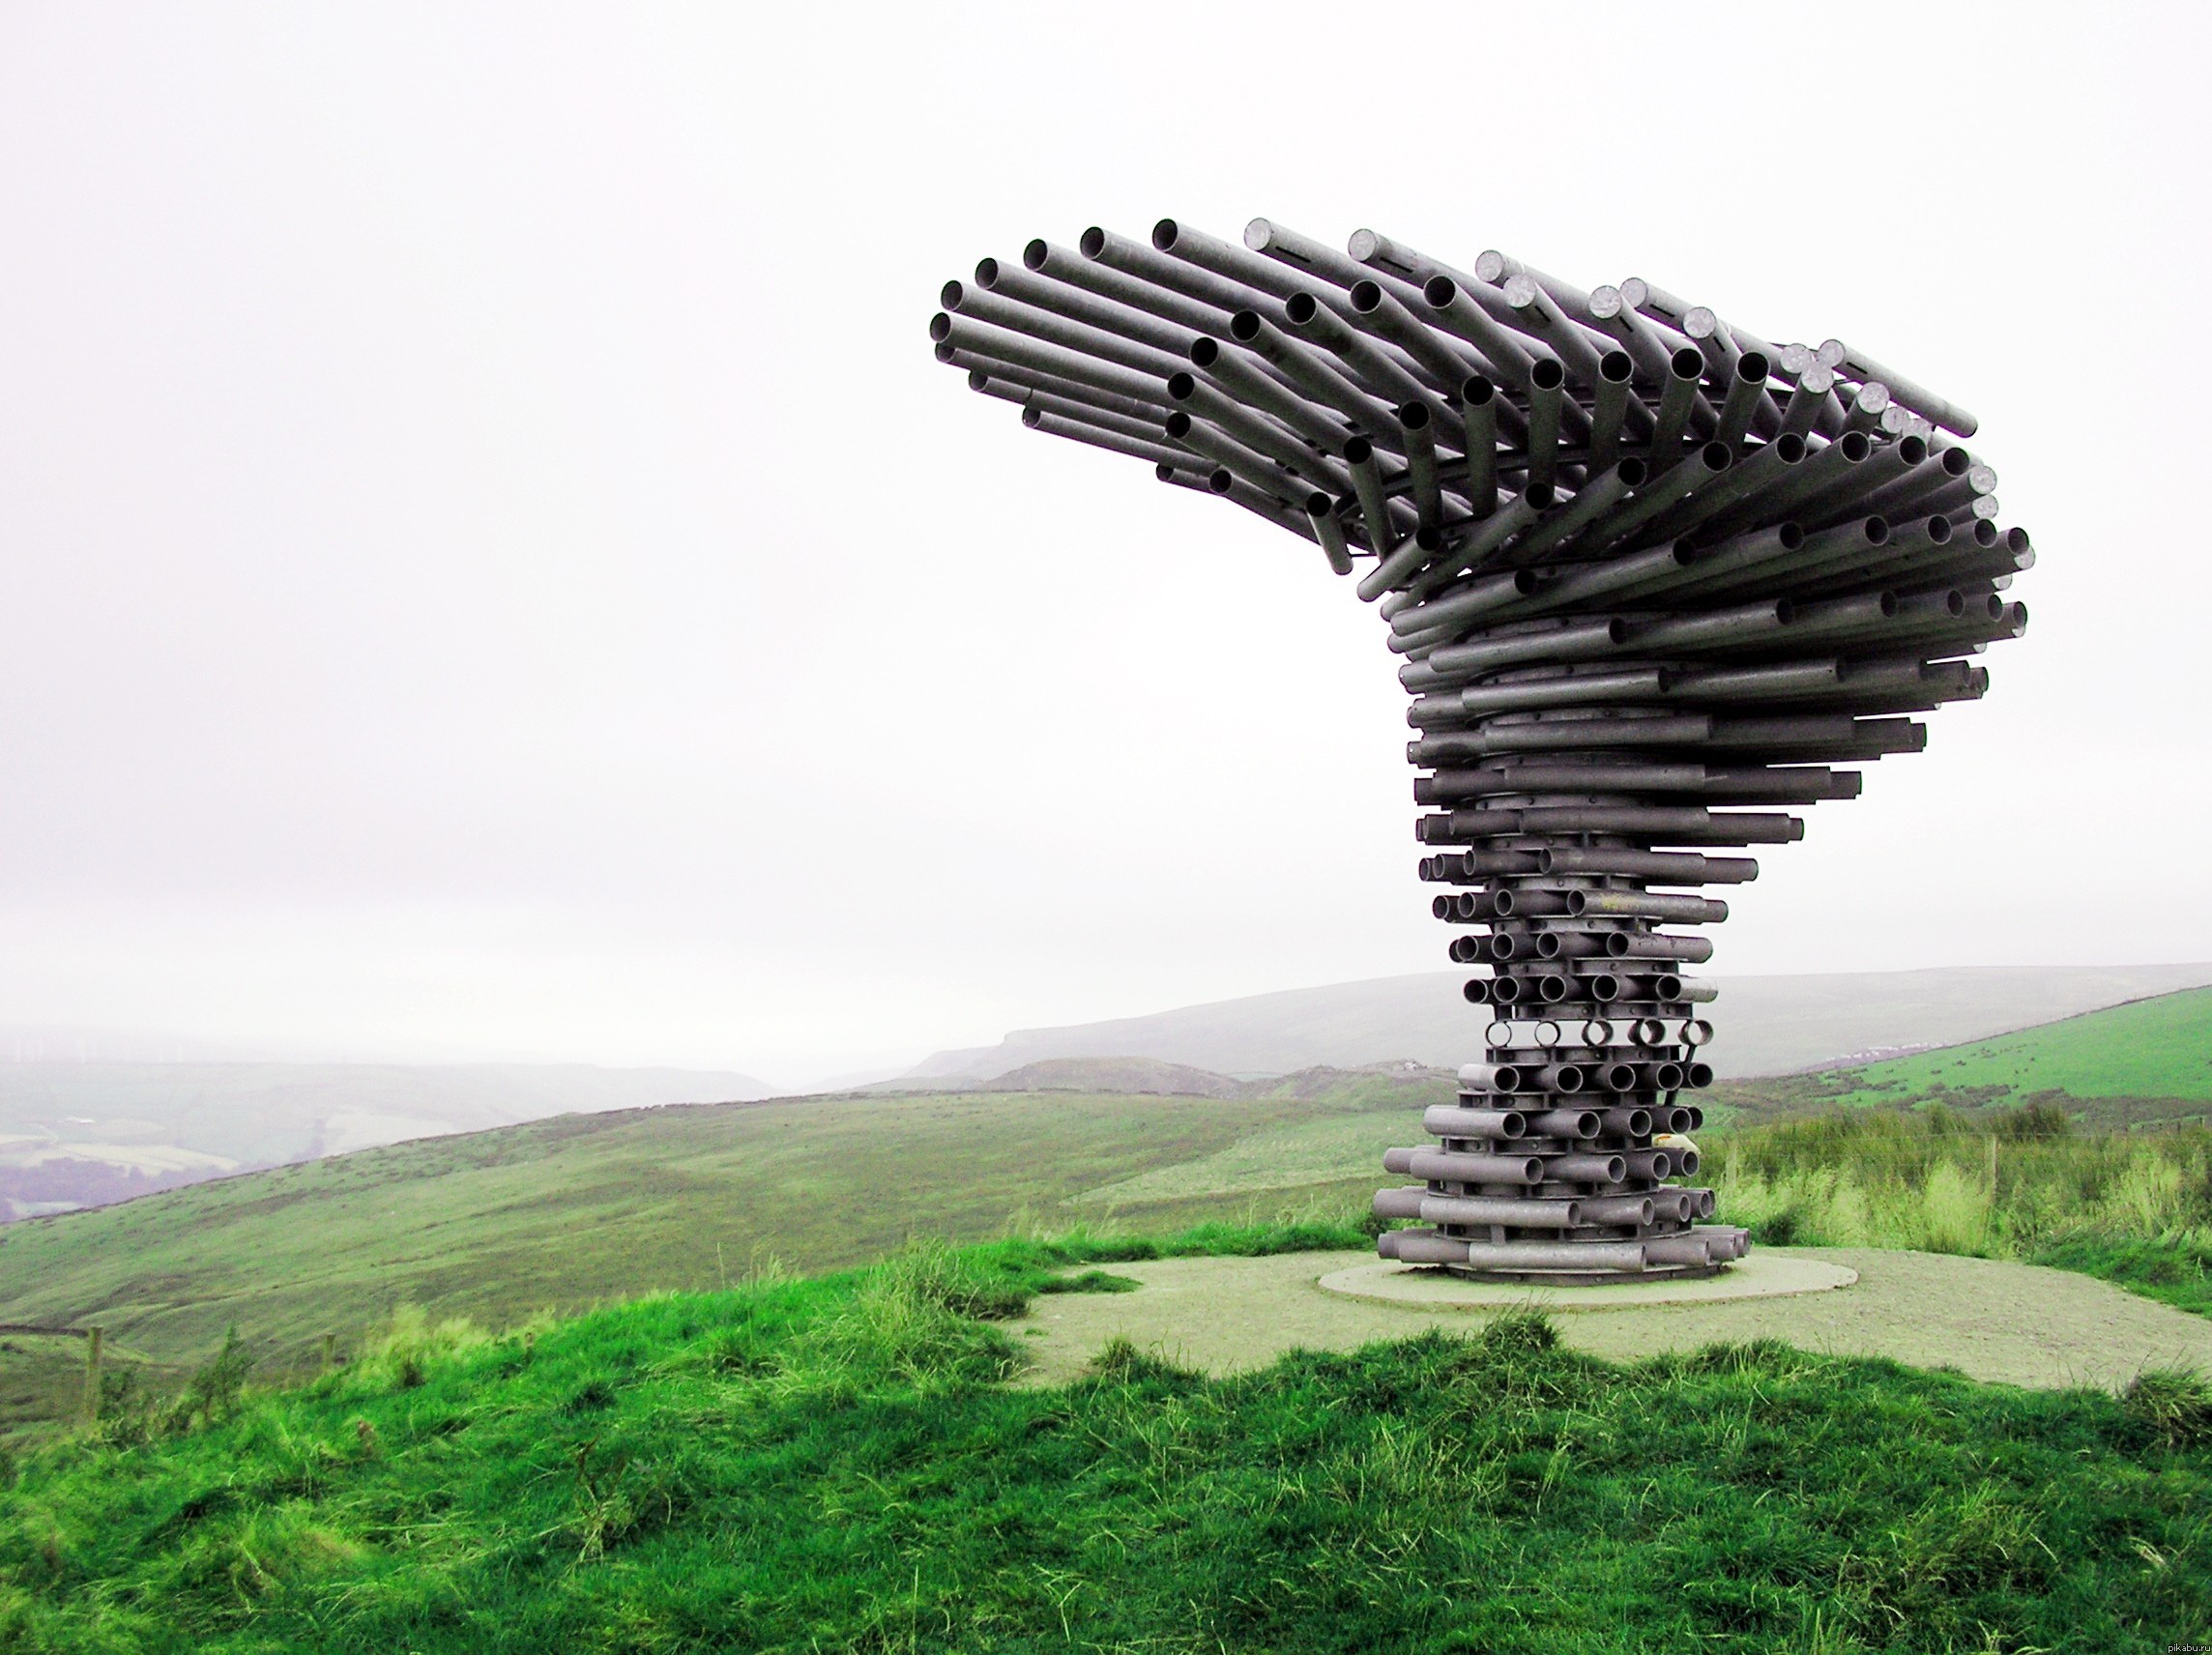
(1651, 577)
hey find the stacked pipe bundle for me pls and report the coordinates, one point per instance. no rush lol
(1653, 579)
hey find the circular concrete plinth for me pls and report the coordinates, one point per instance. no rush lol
(1759, 1275)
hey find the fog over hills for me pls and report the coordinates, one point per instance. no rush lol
(1767, 1024)
(81, 1134)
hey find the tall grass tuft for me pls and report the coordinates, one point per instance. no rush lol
(2017, 1184)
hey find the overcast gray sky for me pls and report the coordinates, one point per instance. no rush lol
(491, 565)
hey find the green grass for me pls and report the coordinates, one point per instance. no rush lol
(2146, 1048)
(2147, 1063)
(835, 1464)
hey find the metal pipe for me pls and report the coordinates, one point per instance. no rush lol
(1677, 396)
(1507, 1078)
(1321, 515)
(1589, 1168)
(1858, 366)
(1643, 905)
(1447, 1120)
(1813, 403)
(1609, 414)
(1565, 1122)
(1420, 1247)
(1541, 317)
(1147, 264)
(1478, 419)
(1499, 1210)
(1255, 470)
(1306, 372)
(1241, 378)
(1547, 381)
(1504, 355)
(1044, 259)
(1101, 437)
(1500, 269)
(1205, 401)
(1316, 259)
(1067, 408)
(1405, 561)
(1368, 363)
(1148, 409)
(1057, 330)
(1665, 867)
(1746, 387)
(1383, 313)
(1023, 350)
(1021, 287)
(1421, 448)
(1609, 313)
(1666, 493)
(1449, 1166)
(1367, 486)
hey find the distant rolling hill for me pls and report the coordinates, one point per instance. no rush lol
(82, 1134)
(2147, 1053)
(1769, 1025)
(563, 1213)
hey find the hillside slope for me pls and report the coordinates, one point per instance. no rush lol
(1769, 1025)
(558, 1215)
(77, 1134)
(2158, 1048)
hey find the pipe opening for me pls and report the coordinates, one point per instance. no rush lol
(1547, 374)
(987, 272)
(1754, 368)
(977, 379)
(1204, 350)
(951, 295)
(1245, 327)
(1615, 368)
(1856, 446)
(1366, 296)
(1034, 255)
(1182, 385)
(1476, 391)
(939, 325)
(1164, 234)
(1438, 290)
(1092, 243)
(1414, 416)
(1031, 417)
(1218, 479)
(1299, 307)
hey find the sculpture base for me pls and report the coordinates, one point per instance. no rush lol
(1584, 1278)
(1763, 1273)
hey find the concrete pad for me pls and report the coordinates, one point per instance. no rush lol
(1763, 1273)
(2014, 1324)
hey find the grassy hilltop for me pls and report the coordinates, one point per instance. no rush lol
(2143, 1062)
(834, 1464)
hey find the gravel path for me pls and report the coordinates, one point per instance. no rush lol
(2015, 1323)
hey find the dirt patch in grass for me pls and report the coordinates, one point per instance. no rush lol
(2013, 1323)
